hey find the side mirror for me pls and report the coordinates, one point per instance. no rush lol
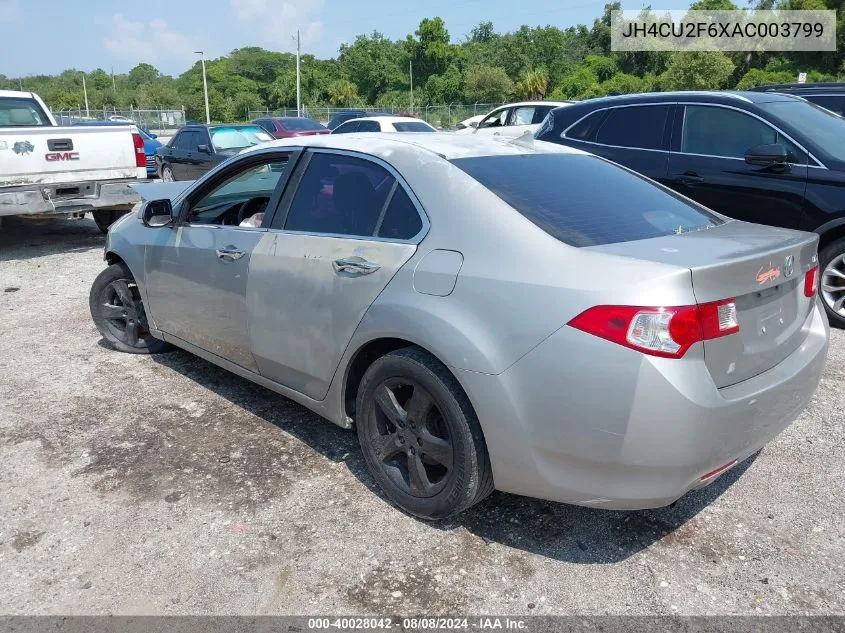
(153, 135)
(473, 124)
(204, 149)
(157, 213)
(766, 155)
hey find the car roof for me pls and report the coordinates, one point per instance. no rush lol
(817, 87)
(387, 119)
(446, 145)
(518, 104)
(16, 94)
(725, 96)
(212, 126)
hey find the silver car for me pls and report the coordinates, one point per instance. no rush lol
(486, 313)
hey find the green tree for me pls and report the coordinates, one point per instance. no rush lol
(533, 84)
(487, 84)
(342, 92)
(142, 74)
(371, 64)
(697, 71)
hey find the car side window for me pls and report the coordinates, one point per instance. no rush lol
(401, 220)
(522, 115)
(639, 127)
(347, 128)
(241, 198)
(174, 142)
(267, 125)
(540, 113)
(339, 195)
(369, 126)
(185, 140)
(715, 131)
(834, 103)
(586, 128)
(495, 119)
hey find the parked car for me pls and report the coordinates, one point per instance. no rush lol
(384, 124)
(151, 144)
(471, 122)
(197, 148)
(346, 115)
(755, 156)
(514, 119)
(65, 171)
(827, 95)
(469, 354)
(290, 126)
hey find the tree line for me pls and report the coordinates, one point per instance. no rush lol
(485, 67)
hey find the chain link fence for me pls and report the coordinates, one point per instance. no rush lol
(440, 116)
(156, 121)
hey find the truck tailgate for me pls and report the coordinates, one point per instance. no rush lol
(49, 155)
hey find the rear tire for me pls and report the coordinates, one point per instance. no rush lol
(106, 217)
(119, 314)
(832, 282)
(420, 436)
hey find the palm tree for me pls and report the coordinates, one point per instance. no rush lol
(533, 84)
(342, 92)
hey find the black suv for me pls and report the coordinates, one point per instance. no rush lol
(762, 157)
(827, 95)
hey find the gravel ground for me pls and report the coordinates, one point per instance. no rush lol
(136, 485)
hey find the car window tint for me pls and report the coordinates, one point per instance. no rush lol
(340, 195)
(401, 221)
(558, 193)
(523, 115)
(722, 132)
(347, 128)
(368, 126)
(586, 128)
(241, 196)
(193, 142)
(182, 140)
(540, 113)
(834, 103)
(267, 125)
(638, 127)
(412, 126)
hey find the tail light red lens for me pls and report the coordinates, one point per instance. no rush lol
(811, 282)
(667, 332)
(140, 156)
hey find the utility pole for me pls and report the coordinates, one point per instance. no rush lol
(85, 91)
(204, 86)
(411, 72)
(113, 86)
(298, 80)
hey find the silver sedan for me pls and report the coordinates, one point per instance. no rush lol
(486, 313)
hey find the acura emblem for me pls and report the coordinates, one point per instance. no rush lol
(788, 266)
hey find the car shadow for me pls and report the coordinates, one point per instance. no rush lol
(554, 530)
(22, 239)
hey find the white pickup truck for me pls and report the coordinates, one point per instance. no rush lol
(65, 171)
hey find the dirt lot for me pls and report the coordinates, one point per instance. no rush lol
(164, 485)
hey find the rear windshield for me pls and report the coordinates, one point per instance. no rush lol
(412, 126)
(821, 126)
(585, 200)
(302, 124)
(236, 137)
(16, 112)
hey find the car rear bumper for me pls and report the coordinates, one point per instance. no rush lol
(582, 420)
(72, 197)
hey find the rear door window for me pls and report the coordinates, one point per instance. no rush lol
(558, 193)
(368, 126)
(522, 115)
(638, 127)
(339, 195)
(412, 126)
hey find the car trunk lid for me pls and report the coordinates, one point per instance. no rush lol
(762, 269)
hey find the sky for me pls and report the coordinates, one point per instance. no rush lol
(48, 36)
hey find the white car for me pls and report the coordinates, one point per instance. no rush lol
(470, 123)
(384, 124)
(515, 119)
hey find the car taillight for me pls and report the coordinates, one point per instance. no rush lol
(811, 281)
(140, 157)
(667, 332)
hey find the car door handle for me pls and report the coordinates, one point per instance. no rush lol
(229, 254)
(356, 265)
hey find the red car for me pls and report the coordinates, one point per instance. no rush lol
(289, 126)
